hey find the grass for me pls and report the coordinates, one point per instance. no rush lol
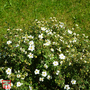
(22, 13)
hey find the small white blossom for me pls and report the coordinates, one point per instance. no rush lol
(43, 28)
(41, 79)
(9, 42)
(30, 87)
(49, 77)
(40, 36)
(31, 48)
(61, 24)
(19, 84)
(11, 84)
(69, 63)
(85, 61)
(48, 42)
(30, 37)
(8, 71)
(30, 55)
(57, 72)
(52, 49)
(61, 56)
(73, 81)
(59, 49)
(55, 63)
(76, 25)
(74, 33)
(44, 73)
(36, 71)
(18, 75)
(17, 45)
(61, 62)
(69, 31)
(31, 42)
(45, 66)
(22, 49)
(66, 87)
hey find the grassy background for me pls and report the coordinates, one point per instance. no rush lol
(21, 13)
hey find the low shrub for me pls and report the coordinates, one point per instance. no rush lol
(47, 56)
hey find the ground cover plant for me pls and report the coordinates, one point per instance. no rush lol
(47, 56)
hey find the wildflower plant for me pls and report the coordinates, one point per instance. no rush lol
(46, 56)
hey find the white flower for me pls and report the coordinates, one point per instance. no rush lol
(49, 77)
(11, 84)
(36, 71)
(17, 29)
(8, 71)
(61, 24)
(30, 55)
(8, 29)
(55, 63)
(9, 76)
(74, 40)
(69, 31)
(31, 48)
(40, 36)
(69, 63)
(50, 33)
(66, 87)
(9, 42)
(73, 81)
(76, 25)
(48, 42)
(1, 80)
(30, 87)
(77, 34)
(31, 42)
(18, 71)
(20, 29)
(57, 72)
(15, 71)
(74, 33)
(2, 67)
(23, 78)
(44, 73)
(47, 31)
(61, 56)
(85, 61)
(22, 49)
(17, 45)
(43, 28)
(18, 75)
(30, 37)
(41, 79)
(26, 74)
(45, 66)
(25, 52)
(61, 62)
(54, 43)
(59, 49)
(52, 49)
(72, 28)
(19, 84)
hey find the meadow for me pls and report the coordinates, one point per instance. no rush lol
(69, 29)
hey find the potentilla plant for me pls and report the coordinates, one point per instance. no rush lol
(48, 56)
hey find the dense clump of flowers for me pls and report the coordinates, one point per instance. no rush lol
(48, 56)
